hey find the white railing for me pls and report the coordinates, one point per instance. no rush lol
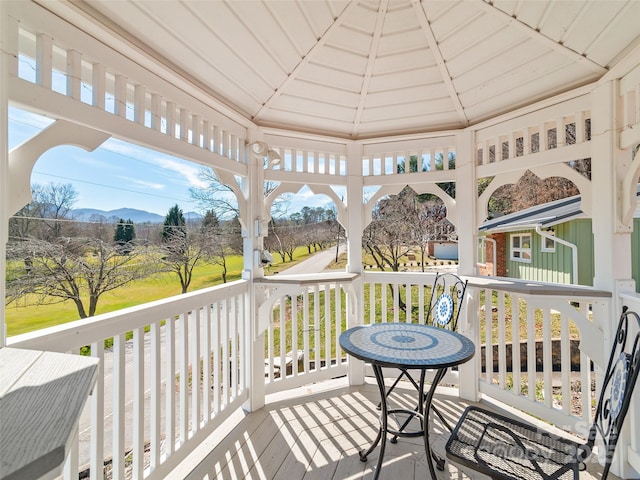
(534, 364)
(305, 321)
(545, 373)
(194, 346)
(555, 127)
(421, 160)
(46, 51)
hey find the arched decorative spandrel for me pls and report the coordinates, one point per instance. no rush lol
(24, 157)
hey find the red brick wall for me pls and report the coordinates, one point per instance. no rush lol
(501, 254)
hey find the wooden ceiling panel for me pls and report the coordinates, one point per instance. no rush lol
(421, 100)
(401, 80)
(318, 108)
(454, 21)
(294, 25)
(328, 76)
(350, 40)
(317, 15)
(362, 18)
(340, 59)
(400, 17)
(375, 67)
(603, 32)
(400, 42)
(327, 93)
(404, 62)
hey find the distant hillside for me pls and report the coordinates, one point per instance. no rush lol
(136, 216)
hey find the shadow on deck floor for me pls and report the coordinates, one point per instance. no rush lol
(316, 432)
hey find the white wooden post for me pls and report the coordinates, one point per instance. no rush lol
(466, 226)
(355, 211)
(8, 64)
(612, 248)
(253, 235)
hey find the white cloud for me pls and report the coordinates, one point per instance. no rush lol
(144, 183)
(190, 171)
(187, 170)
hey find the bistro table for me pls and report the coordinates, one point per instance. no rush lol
(407, 346)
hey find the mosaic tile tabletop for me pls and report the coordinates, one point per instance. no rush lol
(407, 345)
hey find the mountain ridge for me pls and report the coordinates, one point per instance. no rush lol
(133, 214)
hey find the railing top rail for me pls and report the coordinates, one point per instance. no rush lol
(78, 333)
(537, 288)
(309, 278)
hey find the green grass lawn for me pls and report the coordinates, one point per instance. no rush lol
(23, 319)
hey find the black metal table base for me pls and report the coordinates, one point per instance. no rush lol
(421, 412)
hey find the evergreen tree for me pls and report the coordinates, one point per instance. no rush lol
(124, 235)
(174, 224)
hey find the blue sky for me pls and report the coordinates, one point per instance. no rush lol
(119, 174)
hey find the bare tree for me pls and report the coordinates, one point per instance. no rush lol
(388, 237)
(181, 252)
(55, 201)
(76, 269)
(221, 198)
(46, 215)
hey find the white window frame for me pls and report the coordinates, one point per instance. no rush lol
(520, 253)
(544, 246)
(482, 251)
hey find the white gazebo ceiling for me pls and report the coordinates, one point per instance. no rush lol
(364, 68)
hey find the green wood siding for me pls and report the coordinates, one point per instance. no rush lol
(556, 267)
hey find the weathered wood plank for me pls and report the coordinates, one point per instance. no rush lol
(40, 409)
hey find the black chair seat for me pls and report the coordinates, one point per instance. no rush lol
(507, 449)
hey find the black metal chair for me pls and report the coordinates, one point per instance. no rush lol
(504, 448)
(445, 305)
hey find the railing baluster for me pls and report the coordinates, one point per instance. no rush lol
(283, 338)
(502, 341)
(139, 104)
(97, 415)
(138, 404)
(74, 73)
(327, 324)
(547, 359)
(206, 363)
(585, 387)
(120, 96)
(338, 301)
(170, 382)
(194, 350)
(294, 335)
(565, 364)
(44, 60)
(119, 407)
(243, 346)
(217, 366)
(515, 343)
(316, 326)
(488, 334)
(224, 339)
(98, 89)
(233, 321)
(155, 379)
(531, 352)
(183, 359)
(306, 330)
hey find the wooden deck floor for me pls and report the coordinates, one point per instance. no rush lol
(316, 432)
